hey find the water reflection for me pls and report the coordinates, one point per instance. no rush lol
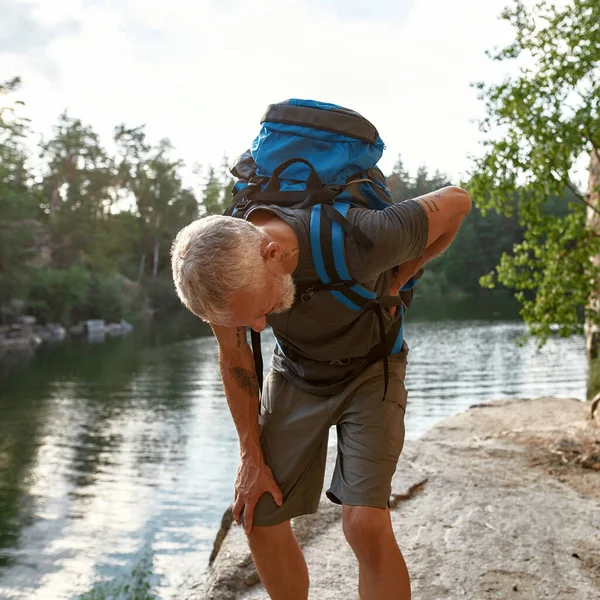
(109, 468)
(456, 364)
(107, 451)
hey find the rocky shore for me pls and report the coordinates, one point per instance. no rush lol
(499, 502)
(26, 334)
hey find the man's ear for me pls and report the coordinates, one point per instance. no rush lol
(271, 251)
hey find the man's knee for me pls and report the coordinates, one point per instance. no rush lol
(367, 530)
(269, 537)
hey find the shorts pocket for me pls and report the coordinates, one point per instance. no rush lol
(271, 386)
(395, 406)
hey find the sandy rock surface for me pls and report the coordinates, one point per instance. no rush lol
(494, 503)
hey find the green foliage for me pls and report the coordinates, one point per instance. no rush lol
(163, 204)
(162, 295)
(476, 249)
(87, 215)
(540, 124)
(216, 194)
(403, 186)
(17, 206)
(108, 299)
(55, 293)
(70, 295)
(134, 586)
(69, 231)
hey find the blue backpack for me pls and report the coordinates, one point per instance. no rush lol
(321, 156)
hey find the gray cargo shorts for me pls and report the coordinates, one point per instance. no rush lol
(294, 432)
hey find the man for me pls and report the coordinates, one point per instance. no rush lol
(237, 273)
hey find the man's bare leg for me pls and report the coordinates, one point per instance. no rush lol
(279, 562)
(382, 571)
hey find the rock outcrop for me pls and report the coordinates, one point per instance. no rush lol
(493, 503)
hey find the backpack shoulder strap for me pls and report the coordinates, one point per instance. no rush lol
(327, 249)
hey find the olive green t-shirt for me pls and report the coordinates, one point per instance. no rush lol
(328, 340)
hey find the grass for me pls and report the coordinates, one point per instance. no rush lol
(133, 586)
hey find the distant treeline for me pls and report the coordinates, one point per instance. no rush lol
(85, 231)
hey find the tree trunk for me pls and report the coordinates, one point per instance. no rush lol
(592, 331)
(155, 264)
(142, 265)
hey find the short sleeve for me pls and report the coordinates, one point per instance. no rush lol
(399, 233)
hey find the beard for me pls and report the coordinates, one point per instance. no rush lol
(287, 293)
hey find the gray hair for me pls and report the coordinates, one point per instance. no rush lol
(212, 258)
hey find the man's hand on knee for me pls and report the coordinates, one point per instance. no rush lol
(254, 478)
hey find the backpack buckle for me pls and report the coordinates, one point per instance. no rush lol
(242, 204)
(307, 294)
(344, 362)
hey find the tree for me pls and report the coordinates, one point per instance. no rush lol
(18, 206)
(216, 195)
(399, 182)
(540, 124)
(78, 189)
(403, 186)
(163, 205)
(212, 195)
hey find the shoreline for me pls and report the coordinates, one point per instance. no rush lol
(500, 501)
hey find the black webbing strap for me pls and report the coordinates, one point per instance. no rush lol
(348, 227)
(241, 201)
(313, 181)
(253, 193)
(377, 307)
(258, 362)
(338, 286)
(296, 199)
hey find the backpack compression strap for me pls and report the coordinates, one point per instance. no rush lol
(267, 190)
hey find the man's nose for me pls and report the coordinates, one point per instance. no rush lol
(259, 324)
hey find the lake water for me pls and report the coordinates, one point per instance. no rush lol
(126, 449)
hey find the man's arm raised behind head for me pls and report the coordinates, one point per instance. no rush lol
(445, 210)
(404, 232)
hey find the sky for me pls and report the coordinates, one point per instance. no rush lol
(202, 72)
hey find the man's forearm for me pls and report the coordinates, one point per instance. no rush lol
(445, 209)
(406, 270)
(241, 390)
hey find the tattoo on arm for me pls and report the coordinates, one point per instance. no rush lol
(429, 203)
(246, 380)
(240, 336)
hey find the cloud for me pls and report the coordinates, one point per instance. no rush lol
(202, 73)
(365, 12)
(21, 31)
